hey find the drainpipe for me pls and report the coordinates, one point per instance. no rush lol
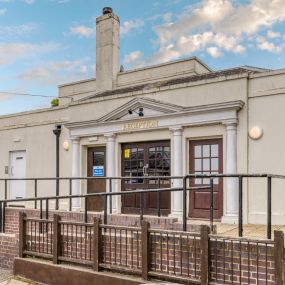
(57, 132)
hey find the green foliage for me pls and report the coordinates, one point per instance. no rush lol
(54, 102)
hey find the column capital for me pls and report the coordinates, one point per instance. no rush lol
(231, 123)
(177, 130)
(110, 136)
(75, 140)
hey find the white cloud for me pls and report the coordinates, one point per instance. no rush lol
(83, 31)
(29, 1)
(11, 52)
(223, 24)
(214, 52)
(167, 17)
(133, 56)
(127, 26)
(58, 72)
(60, 1)
(134, 59)
(19, 30)
(3, 12)
(83, 69)
(270, 47)
(273, 35)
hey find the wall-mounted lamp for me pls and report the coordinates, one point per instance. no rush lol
(65, 145)
(255, 133)
(140, 112)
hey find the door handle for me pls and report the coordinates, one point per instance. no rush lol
(12, 170)
(145, 172)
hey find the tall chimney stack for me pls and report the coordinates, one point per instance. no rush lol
(107, 49)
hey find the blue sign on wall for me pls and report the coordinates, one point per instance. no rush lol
(98, 171)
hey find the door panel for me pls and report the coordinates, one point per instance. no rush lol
(145, 159)
(96, 167)
(206, 157)
(18, 170)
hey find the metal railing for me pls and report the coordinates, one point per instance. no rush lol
(108, 195)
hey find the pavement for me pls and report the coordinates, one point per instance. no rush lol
(249, 230)
(6, 278)
(5, 275)
(13, 281)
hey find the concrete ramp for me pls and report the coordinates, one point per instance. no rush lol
(47, 273)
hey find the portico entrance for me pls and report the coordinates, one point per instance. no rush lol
(145, 159)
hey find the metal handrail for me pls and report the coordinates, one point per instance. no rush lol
(141, 192)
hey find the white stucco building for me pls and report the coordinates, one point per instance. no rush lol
(170, 119)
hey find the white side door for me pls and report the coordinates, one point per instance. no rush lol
(17, 170)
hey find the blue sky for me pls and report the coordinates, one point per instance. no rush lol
(44, 43)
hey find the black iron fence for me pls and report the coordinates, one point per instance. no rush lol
(44, 202)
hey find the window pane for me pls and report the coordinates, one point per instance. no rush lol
(152, 155)
(198, 181)
(140, 153)
(141, 163)
(206, 164)
(98, 158)
(167, 148)
(159, 155)
(206, 181)
(206, 150)
(134, 153)
(134, 164)
(127, 165)
(214, 164)
(198, 165)
(216, 180)
(151, 164)
(198, 151)
(214, 150)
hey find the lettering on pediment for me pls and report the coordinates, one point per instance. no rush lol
(146, 124)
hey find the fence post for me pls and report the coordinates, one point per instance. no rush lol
(145, 249)
(1, 217)
(205, 254)
(279, 257)
(56, 238)
(97, 246)
(269, 206)
(184, 208)
(22, 234)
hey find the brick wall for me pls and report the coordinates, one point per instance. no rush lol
(242, 262)
(9, 247)
(231, 261)
(12, 219)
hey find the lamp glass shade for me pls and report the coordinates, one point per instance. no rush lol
(65, 145)
(255, 133)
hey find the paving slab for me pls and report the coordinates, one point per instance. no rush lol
(5, 274)
(231, 230)
(13, 281)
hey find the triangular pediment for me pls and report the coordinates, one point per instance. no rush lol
(150, 107)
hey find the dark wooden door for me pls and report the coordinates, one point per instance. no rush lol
(96, 167)
(206, 157)
(145, 159)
